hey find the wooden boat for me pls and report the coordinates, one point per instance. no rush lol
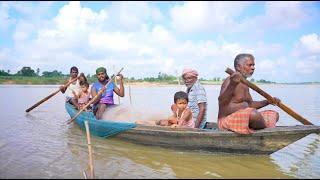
(264, 141)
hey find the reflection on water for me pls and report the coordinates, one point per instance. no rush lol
(39, 144)
(302, 157)
(126, 160)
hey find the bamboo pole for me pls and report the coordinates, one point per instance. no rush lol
(130, 95)
(89, 149)
(84, 174)
(115, 80)
(270, 98)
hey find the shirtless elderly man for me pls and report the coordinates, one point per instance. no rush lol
(237, 111)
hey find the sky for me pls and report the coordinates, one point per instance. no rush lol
(146, 38)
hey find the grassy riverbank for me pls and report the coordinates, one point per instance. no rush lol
(40, 80)
(60, 80)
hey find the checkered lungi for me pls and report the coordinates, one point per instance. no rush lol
(239, 120)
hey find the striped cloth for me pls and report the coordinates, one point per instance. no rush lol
(239, 120)
(196, 95)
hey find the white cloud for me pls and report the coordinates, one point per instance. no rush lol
(73, 18)
(284, 14)
(111, 41)
(206, 16)
(223, 17)
(278, 16)
(308, 45)
(162, 35)
(132, 16)
(266, 50)
(307, 50)
(270, 65)
(142, 45)
(23, 31)
(308, 66)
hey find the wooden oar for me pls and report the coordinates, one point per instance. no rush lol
(92, 100)
(270, 98)
(48, 97)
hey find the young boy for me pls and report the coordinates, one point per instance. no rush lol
(182, 115)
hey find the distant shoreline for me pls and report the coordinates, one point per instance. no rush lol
(25, 80)
(146, 83)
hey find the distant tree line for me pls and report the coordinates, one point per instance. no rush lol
(162, 77)
(262, 81)
(29, 72)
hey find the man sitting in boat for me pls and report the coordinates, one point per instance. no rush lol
(197, 97)
(237, 111)
(106, 99)
(73, 88)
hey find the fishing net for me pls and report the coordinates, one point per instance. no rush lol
(101, 128)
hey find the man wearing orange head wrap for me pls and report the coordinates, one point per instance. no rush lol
(197, 97)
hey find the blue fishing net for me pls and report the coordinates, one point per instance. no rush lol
(101, 128)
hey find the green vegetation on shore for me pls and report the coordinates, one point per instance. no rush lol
(28, 76)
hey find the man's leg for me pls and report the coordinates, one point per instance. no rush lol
(100, 111)
(270, 117)
(256, 120)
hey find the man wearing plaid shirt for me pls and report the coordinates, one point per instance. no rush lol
(197, 97)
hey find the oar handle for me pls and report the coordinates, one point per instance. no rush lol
(270, 98)
(48, 97)
(93, 99)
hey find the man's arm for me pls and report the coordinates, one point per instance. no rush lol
(228, 87)
(261, 104)
(63, 88)
(202, 110)
(120, 92)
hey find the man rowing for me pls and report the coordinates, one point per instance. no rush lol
(237, 111)
(74, 88)
(106, 98)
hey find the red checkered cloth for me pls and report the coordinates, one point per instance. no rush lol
(239, 120)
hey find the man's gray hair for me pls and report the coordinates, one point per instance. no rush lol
(240, 59)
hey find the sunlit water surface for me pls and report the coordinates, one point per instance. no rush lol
(39, 144)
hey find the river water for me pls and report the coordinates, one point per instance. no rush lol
(39, 144)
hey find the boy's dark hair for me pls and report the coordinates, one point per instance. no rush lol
(84, 83)
(74, 69)
(180, 95)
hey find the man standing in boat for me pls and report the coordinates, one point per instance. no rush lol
(106, 98)
(197, 97)
(237, 111)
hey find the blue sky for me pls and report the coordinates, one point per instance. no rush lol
(151, 37)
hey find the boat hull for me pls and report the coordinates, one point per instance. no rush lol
(264, 141)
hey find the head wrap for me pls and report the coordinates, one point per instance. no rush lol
(190, 72)
(101, 69)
